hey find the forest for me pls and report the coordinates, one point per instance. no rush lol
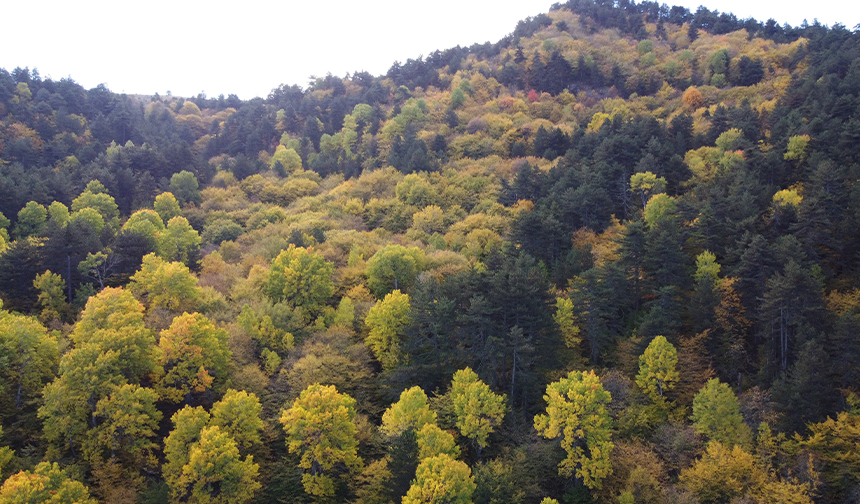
(610, 258)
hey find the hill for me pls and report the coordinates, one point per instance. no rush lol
(635, 225)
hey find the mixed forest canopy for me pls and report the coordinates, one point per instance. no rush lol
(611, 257)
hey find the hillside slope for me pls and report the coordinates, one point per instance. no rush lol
(662, 199)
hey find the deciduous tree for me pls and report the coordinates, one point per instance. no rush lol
(113, 322)
(31, 220)
(167, 207)
(410, 412)
(203, 463)
(238, 414)
(393, 267)
(478, 409)
(576, 411)
(216, 473)
(657, 371)
(47, 483)
(168, 285)
(179, 241)
(320, 427)
(29, 356)
(716, 414)
(188, 423)
(441, 480)
(433, 441)
(185, 188)
(95, 196)
(301, 278)
(388, 320)
(52, 297)
(146, 223)
(127, 424)
(194, 355)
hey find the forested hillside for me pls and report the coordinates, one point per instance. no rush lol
(612, 257)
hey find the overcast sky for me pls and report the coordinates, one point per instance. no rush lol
(249, 47)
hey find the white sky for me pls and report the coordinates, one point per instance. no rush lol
(250, 47)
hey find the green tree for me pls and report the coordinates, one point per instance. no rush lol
(387, 321)
(48, 484)
(31, 220)
(320, 427)
(203, 463)
(216, 473)
(301, 278)
(723, 475)
(716, 414)
(707, 268)
(646, 185)
(410, 412)
(167, 207)
(796, 149)
(263, 330)
(441, 480)
(706, 294)
(188, 423)
(58, 214)
(179, 241)
(69, 402)
(185, 188)
(393, 267)
(28, 358)
(433, 441)
(577, 411)
(52, 297)
(113, 321)
(6, 453)
(95, 196)
(4, 226)
(194, 355)
(113, 347)
(478, 409)
(288, 158)
(659, 209)
(657, 371)
(127, 421)
(564, 319)
(238, 414)
(89, 217)
(148, 224)
(168, 285)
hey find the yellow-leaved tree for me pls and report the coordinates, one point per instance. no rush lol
(411, 411)
(320, 427)
(577, 412)
(657, 371)
(387, 321)
(194, 355)
(441, 479)
(203, 454)
(479, 410)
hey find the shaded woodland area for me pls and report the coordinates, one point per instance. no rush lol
(611, 257)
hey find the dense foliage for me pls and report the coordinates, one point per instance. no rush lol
(611, 258)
